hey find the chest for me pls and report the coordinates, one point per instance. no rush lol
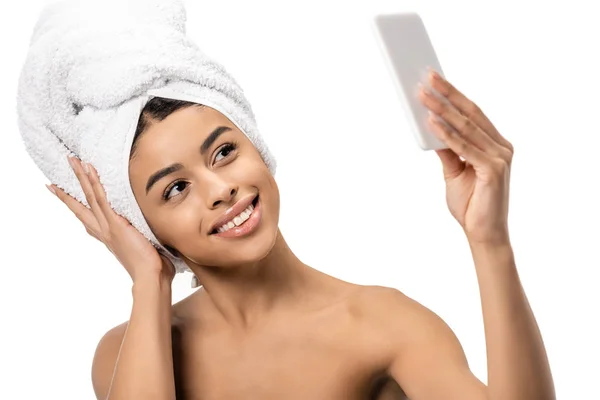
(305, 360)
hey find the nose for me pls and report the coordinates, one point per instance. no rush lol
(220, 192)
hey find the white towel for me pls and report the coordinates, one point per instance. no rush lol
(91, 67)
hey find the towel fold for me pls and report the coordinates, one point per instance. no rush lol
(90, 69)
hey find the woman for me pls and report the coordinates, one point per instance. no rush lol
(264, 325)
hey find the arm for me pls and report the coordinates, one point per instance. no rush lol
(426, 358)
(517, 364)
(135, 361)
(476, 168)
(429, 362)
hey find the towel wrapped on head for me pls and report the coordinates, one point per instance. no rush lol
(90, 69)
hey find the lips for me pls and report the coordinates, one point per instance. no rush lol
(232, 212)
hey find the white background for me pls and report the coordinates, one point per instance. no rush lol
(327, 108)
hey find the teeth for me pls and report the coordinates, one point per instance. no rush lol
(238, 219)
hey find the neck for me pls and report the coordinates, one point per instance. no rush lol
(246, 295)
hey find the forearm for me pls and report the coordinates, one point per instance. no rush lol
(517, 363)
(144, 368)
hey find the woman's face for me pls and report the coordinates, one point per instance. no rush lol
(218, 167)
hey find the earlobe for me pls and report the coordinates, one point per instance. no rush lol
(195, 282)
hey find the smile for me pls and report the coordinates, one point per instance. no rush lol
(242, 223)
(238, 219)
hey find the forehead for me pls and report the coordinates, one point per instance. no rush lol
(182, 128)
(188, 120)
(177, 139)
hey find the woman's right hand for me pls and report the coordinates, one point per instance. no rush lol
(139, 257)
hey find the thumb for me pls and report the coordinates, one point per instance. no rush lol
(168, 267)
(451, 163)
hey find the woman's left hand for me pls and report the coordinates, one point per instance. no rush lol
(476, 164)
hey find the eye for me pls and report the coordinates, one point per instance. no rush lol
(225, 150)
(176, 184)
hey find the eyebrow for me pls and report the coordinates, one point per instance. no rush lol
(208, 142)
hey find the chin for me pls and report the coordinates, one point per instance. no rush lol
(251, 249)
(238, 254)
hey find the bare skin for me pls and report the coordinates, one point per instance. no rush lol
(265, 325)
(323, 346)
(319, 349)
(326, 344)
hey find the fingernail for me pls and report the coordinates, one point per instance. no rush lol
(433, 73)
(86, 169)
(51, 189)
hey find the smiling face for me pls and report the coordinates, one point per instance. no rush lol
(187, 171)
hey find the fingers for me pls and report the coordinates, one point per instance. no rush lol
(96, 219)
(467, 108)
(82, 213)
(457, 144)
(100, 194)
(461, 125)
(90, 195)
(451, 163)
(466, 126)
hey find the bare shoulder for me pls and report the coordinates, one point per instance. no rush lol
(378, 301)
(383, 299)
(402, 318)
(105, 358)
(375, 294)
(422, 351)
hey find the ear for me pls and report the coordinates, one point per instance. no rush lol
(195, 282)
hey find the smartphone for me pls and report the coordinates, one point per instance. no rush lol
(407, 52)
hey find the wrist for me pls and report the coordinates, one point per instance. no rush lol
(499, 240)
(492, 253)
(151, 282)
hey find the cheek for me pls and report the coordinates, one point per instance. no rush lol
(179, 224)
(270, 194)
(274, 191)
(248, 170)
